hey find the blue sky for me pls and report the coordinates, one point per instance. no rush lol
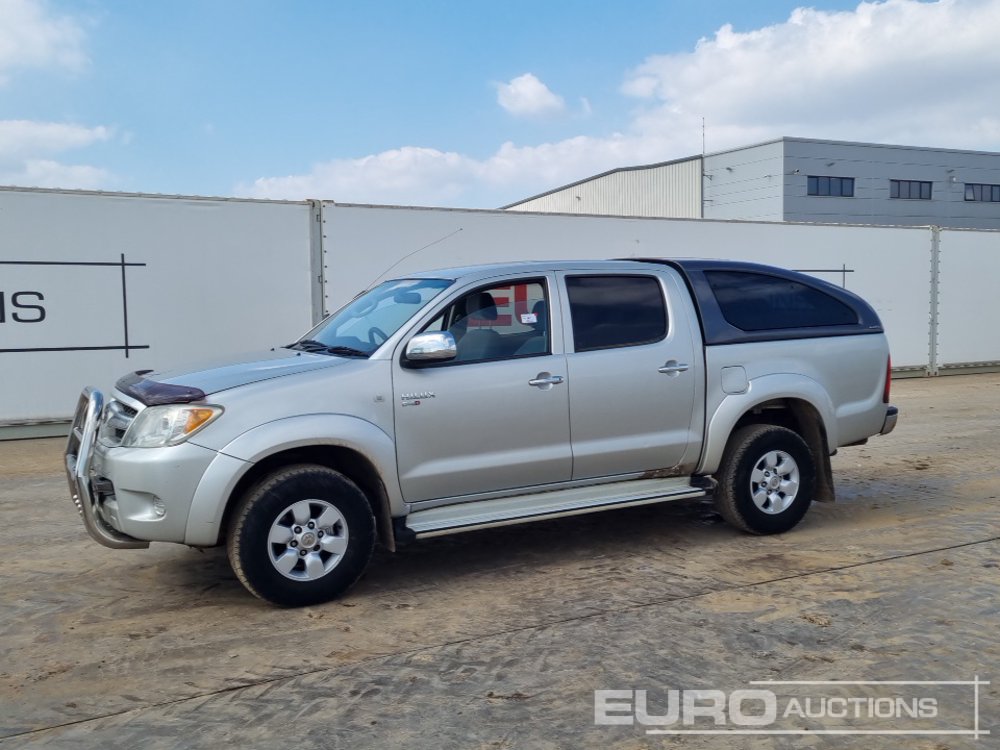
(466, 103)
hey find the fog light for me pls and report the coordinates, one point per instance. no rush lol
(159, 509)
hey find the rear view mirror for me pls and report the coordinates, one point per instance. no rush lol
(431, 347)
(404, 297)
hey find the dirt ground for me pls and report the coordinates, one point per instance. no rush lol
(499, 638)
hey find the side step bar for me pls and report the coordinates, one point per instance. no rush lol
(484, 514)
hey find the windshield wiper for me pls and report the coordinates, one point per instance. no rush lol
(318, 347)
(345, 351)
(308, 345)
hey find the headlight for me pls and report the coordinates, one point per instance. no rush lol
(158, 426)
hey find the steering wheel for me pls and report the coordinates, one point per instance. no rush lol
(375, 333)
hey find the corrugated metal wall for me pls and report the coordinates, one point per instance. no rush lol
(668, 190)
(873, 168)
(746, 183)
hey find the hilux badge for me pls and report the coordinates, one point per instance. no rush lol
(414, 399)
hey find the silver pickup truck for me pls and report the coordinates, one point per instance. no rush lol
(474, 397)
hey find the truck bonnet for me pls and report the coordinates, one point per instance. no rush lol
(195, 383)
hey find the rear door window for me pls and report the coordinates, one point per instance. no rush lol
(615, 311)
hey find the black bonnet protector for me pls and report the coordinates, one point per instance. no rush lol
(153, 393)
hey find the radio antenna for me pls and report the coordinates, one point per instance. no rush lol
(410, 255)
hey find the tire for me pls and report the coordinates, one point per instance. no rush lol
(279, 557)
(766, 479)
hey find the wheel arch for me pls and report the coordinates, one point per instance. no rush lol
(806, 410)
(347, 461)
(355, 448)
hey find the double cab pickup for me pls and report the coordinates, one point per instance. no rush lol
(467, 398)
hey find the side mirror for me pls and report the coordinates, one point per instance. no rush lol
(431, 347)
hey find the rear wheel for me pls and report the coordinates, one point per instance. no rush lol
(303, 535)
(766, 479)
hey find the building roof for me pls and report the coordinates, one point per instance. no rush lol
(636, 168)
(641, 167)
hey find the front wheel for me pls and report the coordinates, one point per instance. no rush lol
(303, 535)
(766, 479)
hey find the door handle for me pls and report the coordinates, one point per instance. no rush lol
(672, 367)
(543, 379)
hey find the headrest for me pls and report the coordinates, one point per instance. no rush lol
(481, 305)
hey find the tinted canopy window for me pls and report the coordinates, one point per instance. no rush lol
(613, 311)
(758, 302)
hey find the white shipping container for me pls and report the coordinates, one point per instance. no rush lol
(969, 304)
(93, 286)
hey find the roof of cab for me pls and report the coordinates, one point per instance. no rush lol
(635, 264)
(531, 266)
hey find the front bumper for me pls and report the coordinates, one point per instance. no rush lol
(129, 497)
(79, 454)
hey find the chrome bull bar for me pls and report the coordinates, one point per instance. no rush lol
(79, 453)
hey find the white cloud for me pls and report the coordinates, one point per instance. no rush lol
(896, 71)
(19, 138)
(900, 71)
(426, 176)
(51, 174)
(32, 36)
(26, 147)
(526, 96)
(396, 175)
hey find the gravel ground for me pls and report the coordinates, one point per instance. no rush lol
(499, 638)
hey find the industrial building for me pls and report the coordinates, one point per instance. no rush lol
(801, 180)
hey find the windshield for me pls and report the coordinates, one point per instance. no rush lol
(364, 323)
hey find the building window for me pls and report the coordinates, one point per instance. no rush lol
(978, 192)
(912, 189)
(840, 187)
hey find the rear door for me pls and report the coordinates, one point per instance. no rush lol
(497, 417)
(632, 373)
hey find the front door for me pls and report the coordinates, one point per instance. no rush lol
(497, 416)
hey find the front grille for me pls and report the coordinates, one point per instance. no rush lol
(117, 418)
